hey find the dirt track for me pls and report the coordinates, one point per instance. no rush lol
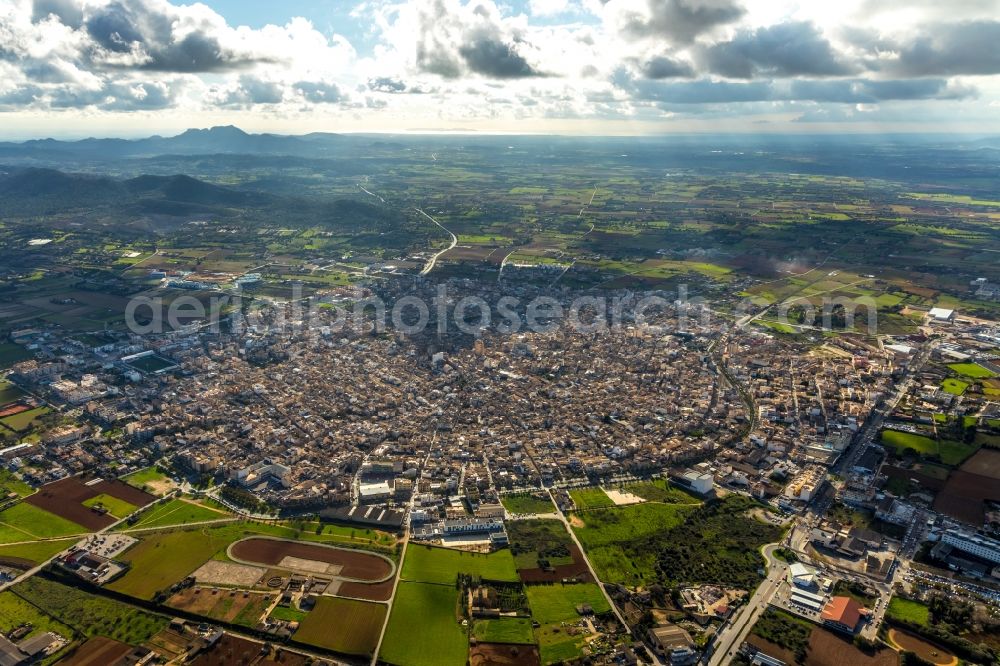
(270, 552)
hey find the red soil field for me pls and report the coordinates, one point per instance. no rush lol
(369, 591)
(64, 497)
(356, 564)
(575, 570)
(497, 654)
(976, 481)
(16, 408)
(97, 651)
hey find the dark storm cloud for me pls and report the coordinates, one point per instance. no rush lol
(131, 26)
(682, 20)
(970, 48)
(320, 92)
(252, 90)
(782, 50)
(138, 96)
(68, 12)
(494, 58)
(853, 91)
(665, 67)
(871, 92)
(454, 43)
(699, 92)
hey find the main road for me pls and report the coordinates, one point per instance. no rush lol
(732, 634)
(454, 241)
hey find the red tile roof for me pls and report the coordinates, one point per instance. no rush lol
(843, 610)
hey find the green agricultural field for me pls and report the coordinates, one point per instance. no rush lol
(161, 559)
(343, 625)
(527, 503)
(142, 478)
(11, 484)
(954, 386)
(177, 512)
(954, 453)
(905, 610)
(91, 615)
(38, 522)
(553, 605)
(661, 490)
(287, 614)
(116, 507)
(38, 551)
(9, 392)
(429, 564)
(557, 602)
(23, 421)
(901, 441)
(537, 540)
(627, 522)
(15, 611)
(11, 354)
(504, 630)
(605, 536)
(973, 370)
(423, 628)
(590, 498)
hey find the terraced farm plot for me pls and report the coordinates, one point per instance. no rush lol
(27, 518)
(343, 625)
(590, 498)
(430, 564)
(421, 611)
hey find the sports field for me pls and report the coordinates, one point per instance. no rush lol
(590, 498)
(423, 627)
(973, 370)
(428, 564)
(343, 625)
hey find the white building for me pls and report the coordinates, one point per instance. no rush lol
(974, 544)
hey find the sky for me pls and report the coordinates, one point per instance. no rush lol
(76, 68)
